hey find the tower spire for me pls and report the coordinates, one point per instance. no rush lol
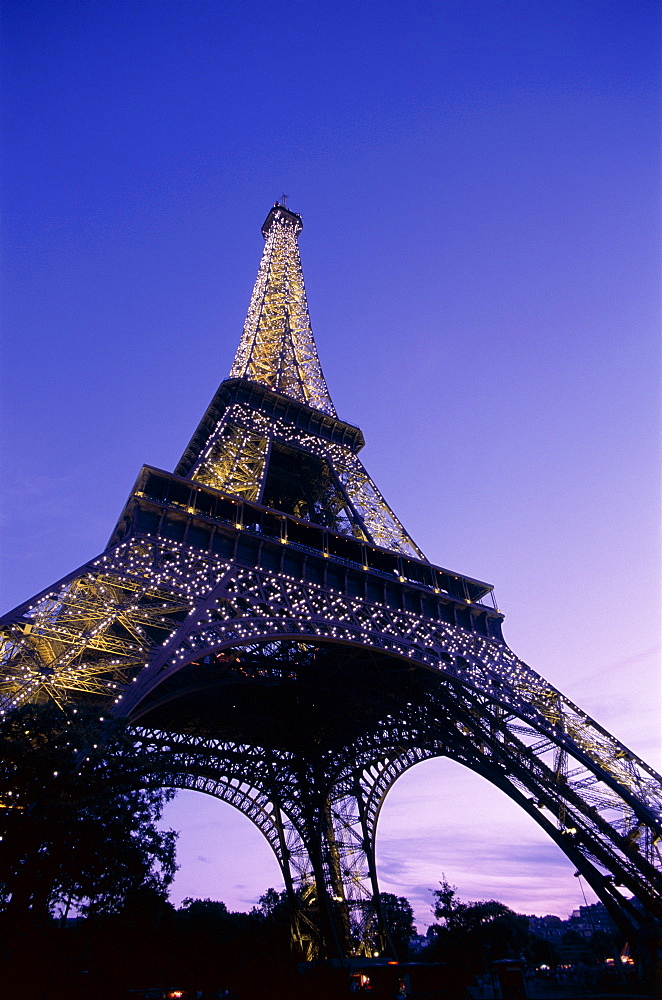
(271, 435)
(277, 347)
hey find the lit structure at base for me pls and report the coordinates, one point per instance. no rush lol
(278, 640)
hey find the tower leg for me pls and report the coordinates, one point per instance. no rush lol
(381, 933)
(350, 875)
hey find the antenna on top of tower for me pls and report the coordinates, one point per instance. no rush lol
(283, 200)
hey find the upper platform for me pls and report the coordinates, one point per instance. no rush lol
(272, 404)
(279, 215)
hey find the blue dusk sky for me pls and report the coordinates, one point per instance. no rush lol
(479, 184)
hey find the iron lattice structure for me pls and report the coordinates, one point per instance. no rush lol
(278, 640)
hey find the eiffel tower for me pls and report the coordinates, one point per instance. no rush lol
(277, 639)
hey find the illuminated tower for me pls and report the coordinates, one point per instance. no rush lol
(277, 639)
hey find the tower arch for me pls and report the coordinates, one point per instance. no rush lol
(273, 633)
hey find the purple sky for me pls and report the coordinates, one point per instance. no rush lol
(479, 188)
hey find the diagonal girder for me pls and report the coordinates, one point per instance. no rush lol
(448, 717)
(251, 605)
(446, 720)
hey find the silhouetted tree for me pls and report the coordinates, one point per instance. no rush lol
(476, 933)
(399, 917)
(78, 825)
(447, 907)
(272, 905)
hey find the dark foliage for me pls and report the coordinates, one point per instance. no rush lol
(77, 824)
(399, 917)
(149, 945)
(476, 933)
(202, 946)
